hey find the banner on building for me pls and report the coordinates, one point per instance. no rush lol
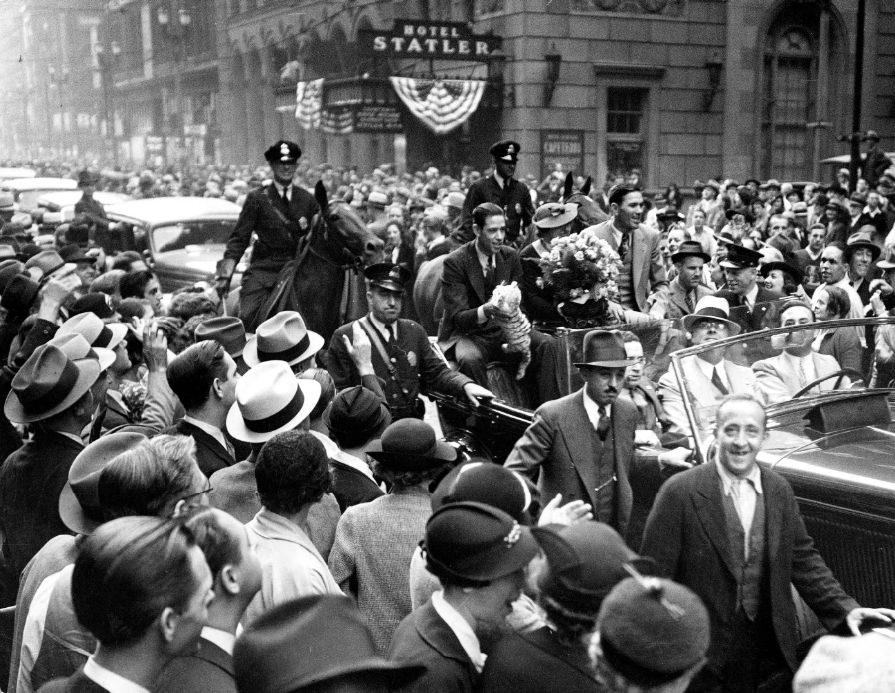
(309, 103)
(412, 38)
(562, 150)
(441, 104)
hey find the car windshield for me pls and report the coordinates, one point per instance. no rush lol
(187, 234)
(791, 368)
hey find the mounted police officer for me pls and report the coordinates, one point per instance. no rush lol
(280, 214)
(393, 355)
(502, 189)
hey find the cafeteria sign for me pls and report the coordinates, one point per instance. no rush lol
(442, 40)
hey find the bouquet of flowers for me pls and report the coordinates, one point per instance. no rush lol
(581, 269)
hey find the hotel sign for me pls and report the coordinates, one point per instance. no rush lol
(438, 40)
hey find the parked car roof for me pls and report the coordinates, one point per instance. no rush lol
(171, 210)
(23, 184)
(59, 199)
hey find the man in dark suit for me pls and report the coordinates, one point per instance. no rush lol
(142, 587)
(643, 272)
(807, 259)
(582, 445)
(469, 330)
(875, 161)
(204, 378)
(280, 214)
(752, 306)
(731, 531)
(511, 195)
(236, 578)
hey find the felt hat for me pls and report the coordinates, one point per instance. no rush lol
(584, 562)
(76, 347)
(689, 249)
(95, 331)
(740, 257)
(75, 253)
(379, 199)
(733, 211)
(270, 400)
(335, 641)
(888, 262)
(714, 185)
(87, 177)
(48, 383)
(47, 261)
(553, 215)
(409, 445)
(283, 152)
(455, 200)
(227, 330)
(284, 337)
(506, 150)
(8, 251)
(388, 276)
(871, 135)
(476, 542)
(19, 294)
(79, 506)
(711, 308)
(97, 302)
(652, 630)
(7, 201)
(488, 483)
(862, 238)
(604, 348)
(356, 411)
(784, 267)
(8, 269)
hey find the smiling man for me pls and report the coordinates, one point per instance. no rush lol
(731, 531)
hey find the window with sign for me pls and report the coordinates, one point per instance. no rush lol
(625, 131)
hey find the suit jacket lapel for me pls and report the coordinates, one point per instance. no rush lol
(213, 654)
(209, 441)
(638, 243)
(773, 507)
(474, 270)
(710, 511)
(678, 298)
(576, 431)
(438, 634)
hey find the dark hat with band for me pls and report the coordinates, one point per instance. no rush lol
(506, 150)
(283, 152)
(357, 412)
(227, 330)
(388, 276)
(690, 249)
(740, 257)
(409, 445)
(604, 348)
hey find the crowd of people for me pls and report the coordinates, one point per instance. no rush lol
(192, 500)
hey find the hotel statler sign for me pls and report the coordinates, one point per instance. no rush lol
(410, 38)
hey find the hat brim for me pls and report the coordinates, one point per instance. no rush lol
(106, 357)
(441, 454)
(119, 332)
(886, 264)
(681, 254)
(250, 352)
(689, 320)
(398, 673)
(388, 285)
(384, 415)
(504, 562)
(566, 217)
(620, 363)
(236, 425)
(794, 272)
(72, 514)
(736, 265)
(869, 245)
(88, 373)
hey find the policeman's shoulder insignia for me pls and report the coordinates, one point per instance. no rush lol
(303, 223)
(411, 358)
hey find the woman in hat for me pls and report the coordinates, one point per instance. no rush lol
(375, 541)
(833, 303)
(781, 278)
(551, 220)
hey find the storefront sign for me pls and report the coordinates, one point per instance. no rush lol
(371, 118)
(563, 149)
(442, 40)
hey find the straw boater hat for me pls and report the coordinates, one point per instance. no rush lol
(711, 308)
(284, 337)
(270, 400)
(553, 215)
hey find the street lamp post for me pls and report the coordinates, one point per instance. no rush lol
(107, 64)
(175, 20)
(57, 80)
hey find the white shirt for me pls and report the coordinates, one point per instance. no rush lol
(382, 327)
(744, 497)
(219, 637)
(280, 189)
(751, 295)
(33, 633)
(708, 369)
(806, 363)
(592, 409)
(109, 679)
(483, 261)
(213, 431)
(461, 628)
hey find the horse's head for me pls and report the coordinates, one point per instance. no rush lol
(589, 212)
(346, 229)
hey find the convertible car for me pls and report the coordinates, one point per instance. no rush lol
(833, 439)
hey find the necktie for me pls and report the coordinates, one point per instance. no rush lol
(603, 424)
(489, 274)
(391, 336)
(623, 246)
(717, 382)
(803, 377)
(286, 194)
(689, 301)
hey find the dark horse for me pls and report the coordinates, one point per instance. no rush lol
(325, 282)
(427, 288)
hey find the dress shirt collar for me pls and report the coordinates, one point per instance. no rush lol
(112, 682)
(213, 431)
(707, 368)
(483, 259)
(280, 189)
(382, 327)
(501, 182)
(728, 479)
(71, 436)
(592, 409)
(461, 628)
(270, 525)
(751, 295)
(219, 637)
(806, 361)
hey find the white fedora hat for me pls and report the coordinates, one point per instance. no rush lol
(284, 337)
(94, 330)
(270, 400)
(76, 347)
(711, 308)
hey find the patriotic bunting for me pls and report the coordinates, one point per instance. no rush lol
(309, 103)
(442, 104)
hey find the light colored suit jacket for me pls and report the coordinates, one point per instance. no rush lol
(672, 304)
(646, 262)
(704, 396)
(778, 380)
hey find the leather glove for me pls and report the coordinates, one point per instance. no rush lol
(225, 269)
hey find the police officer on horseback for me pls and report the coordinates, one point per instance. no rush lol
(391, 355)
(279, 214)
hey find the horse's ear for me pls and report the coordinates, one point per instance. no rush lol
(567, 187)
(585, 189)
(320, 195)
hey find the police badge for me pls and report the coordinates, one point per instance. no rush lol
(411, 358)
(518, 208)
(303, 224)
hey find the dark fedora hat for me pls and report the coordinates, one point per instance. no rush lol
(740, 257)
(584, 562)
(356, 411)
(98, 303)
(733, 211)
(690, 249)
(333, 640)
(409, 445)
(604, 348)
(475, 542)
(47, 384)
(19, 294)
(79, 505)
(8, 269)
(862, 238)
(227, 330)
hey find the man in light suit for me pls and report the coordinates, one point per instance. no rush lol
(708, 376)
(781, 377)
(686, 289)
(731, 532)
(637, 245)
(582, 445)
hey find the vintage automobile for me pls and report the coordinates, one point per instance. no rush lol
(182, 238)
(64, 200)
(27, 191)
(10, 172)
(834, 441)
